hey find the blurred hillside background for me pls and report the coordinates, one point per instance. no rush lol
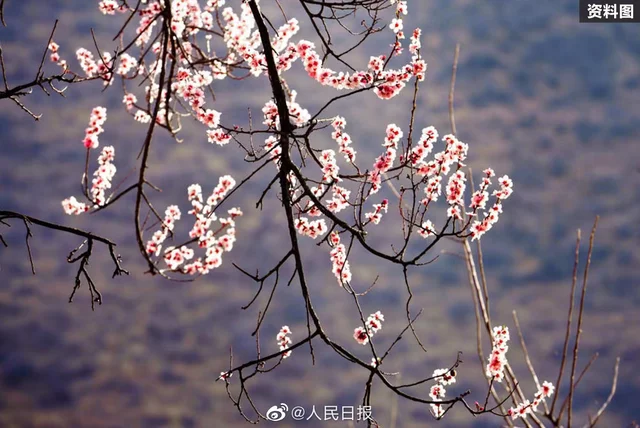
(539, 96)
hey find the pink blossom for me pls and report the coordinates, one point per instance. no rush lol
(343, 139)
(360, 335)
(444, 376)
(108, 7)
(373, 324)
(437, 410)
(329, 166)
(498, 359)
(127, 63)
(396, 25)
(129, 100)
(312, 229)
(72, 206)
(284, 340)
(97, 118)
(547, 389)
(340, 265)
(528, 407)
(378, 209)
(436, 392)
(218, 136)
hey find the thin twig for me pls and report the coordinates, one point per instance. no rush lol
(580, 314)
(527, 358)
(614, 385)
(567, 335)
(2, 13)
(451, 88)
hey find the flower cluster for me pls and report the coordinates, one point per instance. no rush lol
(127, 63)
(427, 229)
(225, 184)
(215, 246)
(204, 216)
(312, 229)
(53, 47)
(103, 175)
(455, 152)
(425, 145)
(297, 114)
(455, 194)
(451, 159)
(394, 81)
(100, 183)
(142, 116)
(330, 168)
(129, 100)
(272, 146)
(284, 340)
(190, 86)
(415, 44)
(73, 206)
(243, 43)
(93, 68)
(209, 117)
(340, 199)
(448, 161)
(376, 215)
(373, 325)
(498, 358)
(343, 139)
(527, 407)
(147, 23)
(388, 83)
(479, 200)
(442, 377)
(218, 136)
(240, 39)
(97, 118)
(211, 241)
(284, 34)
(109, 7)
(318, 191)
(186, 17)
(385, 161)
(174, 257)
(171, 215)
(55, 55)
(325, 76)
(339, 263)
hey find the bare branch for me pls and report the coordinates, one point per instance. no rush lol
(90, 238)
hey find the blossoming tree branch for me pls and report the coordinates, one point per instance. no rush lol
(179, 51)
